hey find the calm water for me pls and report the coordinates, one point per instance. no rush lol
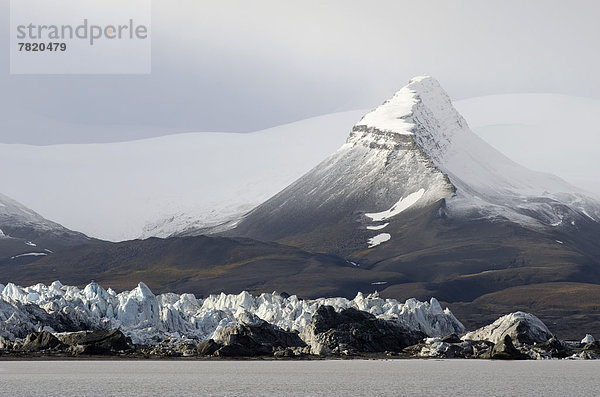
(325, 378)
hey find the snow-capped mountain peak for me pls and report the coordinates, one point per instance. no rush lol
(411, 152)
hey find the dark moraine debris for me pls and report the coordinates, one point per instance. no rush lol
(352, 331)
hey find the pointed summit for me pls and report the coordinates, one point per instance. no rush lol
(384, 166)
(422, 109)
(396, 114)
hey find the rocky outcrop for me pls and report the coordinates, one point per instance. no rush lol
(517, 336)
(523, 328)
(505, 350)
(588, 339)
(257, 339)
(556, 348)
(207, 347)
(351, 331)
(40, 341)
(101, 342)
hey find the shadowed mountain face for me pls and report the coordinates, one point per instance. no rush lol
(25, 236)
(201, 265)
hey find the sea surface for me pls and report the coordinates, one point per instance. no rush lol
(314, 378)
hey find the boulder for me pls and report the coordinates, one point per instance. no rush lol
(207, 347)
(98, 342)
(587, 339)
(481, 349)
(352, 331)
(556, 348)
(257, 339)
(5, 343)
(592, 347)
(39, 341)
(505, 350)
(452, 338)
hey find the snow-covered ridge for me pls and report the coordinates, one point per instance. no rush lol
(148, 318)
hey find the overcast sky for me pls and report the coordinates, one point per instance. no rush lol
(247, 65)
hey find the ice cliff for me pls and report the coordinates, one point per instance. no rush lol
(149, 318)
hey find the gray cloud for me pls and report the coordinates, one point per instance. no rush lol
(243, 66)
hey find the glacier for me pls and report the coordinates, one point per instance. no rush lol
(149, 319)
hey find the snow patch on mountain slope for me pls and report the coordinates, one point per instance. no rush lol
(403, 204)
(29, 254)
(148, 318)
(379, 239)
(378, 227)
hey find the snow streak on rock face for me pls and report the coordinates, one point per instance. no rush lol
(147, 318)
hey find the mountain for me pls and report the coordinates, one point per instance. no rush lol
(201, 265)
(182, 184)
(25, 235)
(410, 153)
(414, 191)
